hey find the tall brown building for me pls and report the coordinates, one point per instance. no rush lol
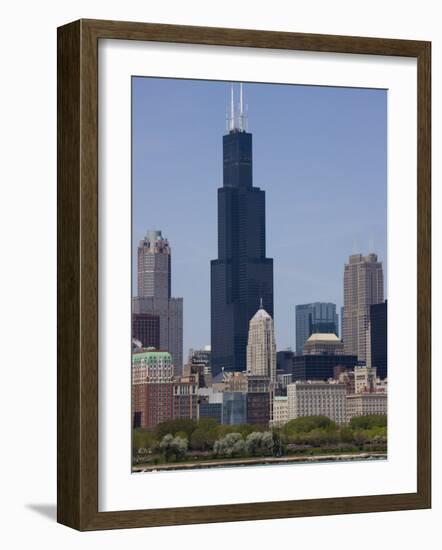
(363, 286)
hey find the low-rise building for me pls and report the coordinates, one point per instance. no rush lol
(316, 398)
(235, 381)
(234, 408)
(364, 404)
(210, 404)
(185, 397)
(258, 408)
(365, 379)
(280, 411)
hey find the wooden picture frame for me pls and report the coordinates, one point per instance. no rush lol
(77, 226)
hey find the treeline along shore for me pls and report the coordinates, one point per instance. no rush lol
(187, 443)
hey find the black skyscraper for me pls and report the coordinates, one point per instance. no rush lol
(242, 274)
(378, 338)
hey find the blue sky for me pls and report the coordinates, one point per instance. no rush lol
(320, 153)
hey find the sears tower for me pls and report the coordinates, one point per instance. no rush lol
(242, 275)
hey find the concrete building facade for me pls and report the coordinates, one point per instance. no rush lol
(261, 346)
(280, 411)
(317, 399)
(363, 404)
(363, 286)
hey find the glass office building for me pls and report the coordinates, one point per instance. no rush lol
(317, 317)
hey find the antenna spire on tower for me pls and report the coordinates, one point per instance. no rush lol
(237, 120)
(260, 303)
(232, 110)
(242, 112)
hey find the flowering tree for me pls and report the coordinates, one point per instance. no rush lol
(230, 445)
(173, 446)
(259, 443)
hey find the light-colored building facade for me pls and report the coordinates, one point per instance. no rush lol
(154, 294)
(280, 411)
(363, 404)
(365, 379)
(317, 399)
(235, 381)
(363, 286)
(261, 346)
(323, 344)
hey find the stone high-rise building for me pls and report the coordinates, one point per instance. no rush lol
(242, 273)
(261, 346)
(154, 294)
(363, 286)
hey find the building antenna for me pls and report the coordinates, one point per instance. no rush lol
(232, 110)
(242, 111)
(371, 244)
(260, 303)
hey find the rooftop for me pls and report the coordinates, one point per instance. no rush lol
(323, 337)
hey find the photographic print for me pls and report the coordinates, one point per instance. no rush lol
(259, 274)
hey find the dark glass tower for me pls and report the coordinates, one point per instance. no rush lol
(378, 338)
(242, 274)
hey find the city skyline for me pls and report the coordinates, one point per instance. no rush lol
(299, 276)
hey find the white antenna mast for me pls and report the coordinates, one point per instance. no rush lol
(232, 110)
(242, 112)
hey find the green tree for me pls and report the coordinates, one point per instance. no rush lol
(208, 423)
(203, 438)
(369, 421)
(347, 435)
(173, 447)
(307, 424)
(184, 425)
(143, 441)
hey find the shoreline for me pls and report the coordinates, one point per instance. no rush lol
(260, 461)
